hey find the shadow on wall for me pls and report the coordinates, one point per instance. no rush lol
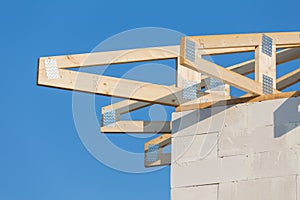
(287, 117)
(198, 115)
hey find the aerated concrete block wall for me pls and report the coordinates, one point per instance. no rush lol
(243, 152)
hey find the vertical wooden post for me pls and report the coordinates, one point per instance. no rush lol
(186, 74)
(265, 64)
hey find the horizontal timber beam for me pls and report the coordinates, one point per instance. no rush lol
(281, 39)
(239, 101)
(141, 127)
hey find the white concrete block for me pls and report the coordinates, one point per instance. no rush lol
(194, 148)
(271, 164)
(279, 188)
(261, 113)
(209, 171)
(207, 192)
(236, 168)
(236, 118)
(259, 139)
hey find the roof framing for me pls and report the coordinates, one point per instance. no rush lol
(199, 71)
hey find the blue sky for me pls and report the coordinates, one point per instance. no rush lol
(41, 155)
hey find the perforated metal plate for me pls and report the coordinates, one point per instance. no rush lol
(152, 154)
(189, 90)
(190, 50)
(51, 68)
(109, 118)
(267, 45)
(267, 84)
(216, 85)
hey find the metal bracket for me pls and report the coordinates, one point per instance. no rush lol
(189, 90)
(215, 85)
(190, 50)
(267, 84)
(109, 118)
(267, 45)
(51, 68)
(152, 154)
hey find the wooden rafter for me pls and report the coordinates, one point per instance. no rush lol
(114, 57)
(225, 75)
(288, 79)
(117, 87)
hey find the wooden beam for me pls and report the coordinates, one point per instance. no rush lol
(239, 101)
(265, 66)
(163, 158)
(140, 127)
(162, 141)
(126, 106)
(282, 56)
(219, 51)
(186, 74)
(115, 57)
(117, 87)
(282, 39)
(287, 55)
(288, 79)
(130, 56)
